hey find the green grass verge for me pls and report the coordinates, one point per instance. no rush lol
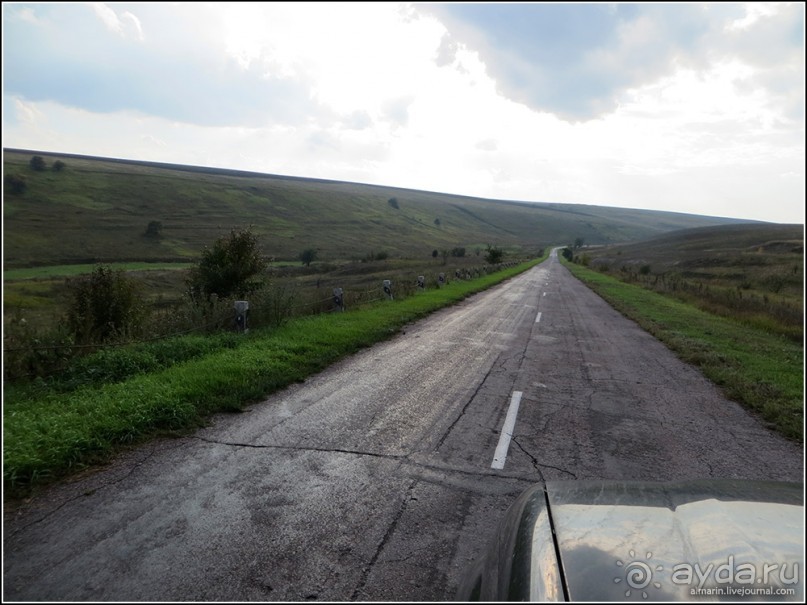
(49, 434)
(760, 370)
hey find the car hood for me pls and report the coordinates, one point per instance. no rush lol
(660, 541)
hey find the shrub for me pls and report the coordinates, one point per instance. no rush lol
(228, 268)
(494, 255)
(30, 349)
(106, 305)
(14, 183)
(154, 230)
(37, 163)
(308, 256)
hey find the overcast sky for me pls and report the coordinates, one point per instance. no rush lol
(695, 108)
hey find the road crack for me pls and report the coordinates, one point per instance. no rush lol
(135, 466)
(538, 465)
(467, 403)
(302, 448)
(390, 530)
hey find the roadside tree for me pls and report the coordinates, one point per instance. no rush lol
(231, 267)
(494, 255)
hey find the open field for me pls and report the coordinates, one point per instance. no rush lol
(752, 273)
(57, 271)
(98, 210)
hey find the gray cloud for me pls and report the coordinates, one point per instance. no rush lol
(574, 60)
(397, 110)
(72, 57)
(358, 120)
(447, 52)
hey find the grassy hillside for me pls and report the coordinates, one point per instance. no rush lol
(98, 210)
(753, 272)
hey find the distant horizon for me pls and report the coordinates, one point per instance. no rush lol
(247, 173)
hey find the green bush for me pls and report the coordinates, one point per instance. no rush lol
(14, 183)
(37, 163)
(104, 306)
(229, 267)
(494, 255)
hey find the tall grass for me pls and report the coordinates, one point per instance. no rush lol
(38, 343)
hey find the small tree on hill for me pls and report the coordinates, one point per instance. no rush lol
(154, 230)
(14, 183)
(308, 256)
(37, 163)
(58, 166)
(229, 267)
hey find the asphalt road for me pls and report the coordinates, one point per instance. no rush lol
(384, 477)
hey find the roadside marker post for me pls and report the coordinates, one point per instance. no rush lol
(339, 299)
(241, 315)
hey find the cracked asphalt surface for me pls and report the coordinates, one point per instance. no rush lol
(372, 481)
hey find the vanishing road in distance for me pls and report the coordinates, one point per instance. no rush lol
(384, 477)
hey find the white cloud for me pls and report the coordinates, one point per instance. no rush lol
(754, 11)
(27, 113)
(128, 25)
(132, 24)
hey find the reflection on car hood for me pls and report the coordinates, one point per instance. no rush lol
(678, 541)
(617, 541)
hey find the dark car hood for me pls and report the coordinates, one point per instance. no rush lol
(660, 541)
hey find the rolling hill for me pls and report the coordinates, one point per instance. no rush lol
(99, 210)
